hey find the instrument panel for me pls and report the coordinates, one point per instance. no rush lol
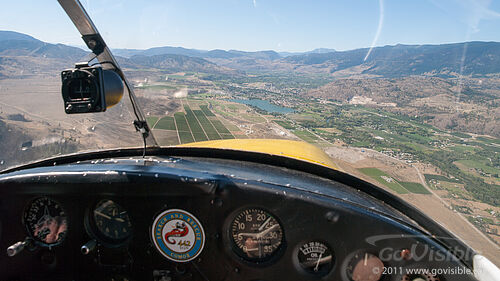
(165, 225)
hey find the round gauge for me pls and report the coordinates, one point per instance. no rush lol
(365, 267)
(46, 221)
(256, 234)
(316, 258)
(111, 221)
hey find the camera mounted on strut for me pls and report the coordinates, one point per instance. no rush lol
(87, 89)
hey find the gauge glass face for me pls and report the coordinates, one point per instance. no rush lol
(112, 221)
(46, 221)
(256, 234)
(316, 258)
(365, 267)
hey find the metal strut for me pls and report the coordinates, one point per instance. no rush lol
(94, 42)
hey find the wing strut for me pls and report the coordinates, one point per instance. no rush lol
(94, 41)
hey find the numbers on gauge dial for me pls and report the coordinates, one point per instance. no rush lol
(46, 221)
(315, 257)
(256, 234)
(112, 221)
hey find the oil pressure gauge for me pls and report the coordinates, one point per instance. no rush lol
(316, 258)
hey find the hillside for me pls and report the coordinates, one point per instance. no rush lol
(22, 55)
(403, 60)
(222, 54)
(473, 107)
(447, 60)
(173, 63)
(18, 44)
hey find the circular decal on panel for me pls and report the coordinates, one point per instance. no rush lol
(178, 235)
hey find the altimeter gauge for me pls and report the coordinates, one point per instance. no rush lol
(256, 234)
(46, 221)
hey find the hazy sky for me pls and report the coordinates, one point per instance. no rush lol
(261, 24)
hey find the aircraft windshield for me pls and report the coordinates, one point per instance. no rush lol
(404, 94)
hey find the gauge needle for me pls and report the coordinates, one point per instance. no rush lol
(264, 224)
(252, 249)
(263, 233)
(248, 234)
(317, 263)
(320, 261)
(366, 259)
(102, 215)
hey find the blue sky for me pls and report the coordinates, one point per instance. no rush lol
(262, 24)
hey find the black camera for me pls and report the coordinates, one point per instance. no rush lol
(88, 89)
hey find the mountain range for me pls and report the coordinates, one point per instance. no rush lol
(18, 44)
(270, 55)
(479, 58)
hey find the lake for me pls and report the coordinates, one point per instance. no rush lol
(264, 105)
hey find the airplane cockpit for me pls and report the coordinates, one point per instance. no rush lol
(229, 209)
(208, 214)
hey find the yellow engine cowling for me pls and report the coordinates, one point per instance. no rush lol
(288, 148)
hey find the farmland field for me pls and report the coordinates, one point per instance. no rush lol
(221, 129)
(165, 123)
(429, 177)
(384, 179)
(207, 125)
(185, 137)
(206, 110)
(191, 125)
(414, 187)
(180, 121)
(152, 120)
(306, 136)
(284, 124)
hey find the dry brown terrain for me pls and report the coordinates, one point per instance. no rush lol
(38, 100)
(465, 105)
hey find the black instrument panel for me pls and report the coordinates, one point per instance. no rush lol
(185, 221)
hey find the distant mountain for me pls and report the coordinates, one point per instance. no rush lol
(315, 51)
(171, 51)
(321, 51)
(167, 50)
(444, 60)
(12, 35)
(214, 54)
(403, 60)
(217, 53)
(173, 63)
(126, 53)
(389, 61)
(21, 55)
(18, 44)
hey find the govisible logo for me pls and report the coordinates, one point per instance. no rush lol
(178, 235)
